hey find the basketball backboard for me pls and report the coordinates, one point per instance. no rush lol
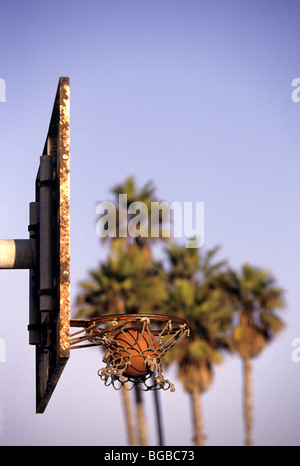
(49, 324)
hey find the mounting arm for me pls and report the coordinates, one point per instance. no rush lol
(16, 254)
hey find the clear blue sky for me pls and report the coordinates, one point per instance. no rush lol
(195, 96)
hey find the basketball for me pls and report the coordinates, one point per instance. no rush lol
(134, 346)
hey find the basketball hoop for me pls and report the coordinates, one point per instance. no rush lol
(135, 345)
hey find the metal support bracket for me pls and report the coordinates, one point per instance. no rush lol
(16, 254)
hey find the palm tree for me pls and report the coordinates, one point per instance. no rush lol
(143, 242)
(194, 296)
(124, 284)
(254, 298)
(144, 195)
(131, 281)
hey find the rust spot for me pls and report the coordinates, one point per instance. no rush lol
(64, 217)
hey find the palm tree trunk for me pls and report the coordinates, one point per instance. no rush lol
(248, 400)
(199, 437)
(158, 418)
(132, 438)
(141, 417)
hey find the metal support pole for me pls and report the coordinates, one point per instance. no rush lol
(16, 254)
(34, 326)
(46, 225)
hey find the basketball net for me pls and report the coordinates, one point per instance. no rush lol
(125, 352)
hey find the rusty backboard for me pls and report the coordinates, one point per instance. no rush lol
(53, 294)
